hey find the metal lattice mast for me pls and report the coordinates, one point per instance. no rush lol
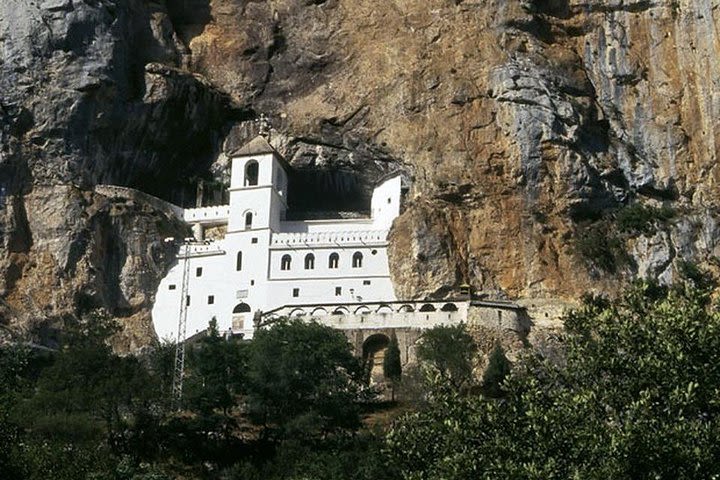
(179, 371)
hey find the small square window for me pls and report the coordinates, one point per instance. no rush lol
(198, 272)
(366, 282)
(338, 291)
(172, 287)
(296, 292)
(253, 240)
(211, 299)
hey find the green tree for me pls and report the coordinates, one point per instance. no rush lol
(635, 397)
(86, 407)
(448, 353)
(13, 362)
(392, 365)
(303, 378)
(160, 362)
(498, 368)
(215, 373)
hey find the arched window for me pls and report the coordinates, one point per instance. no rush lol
(241, 308)
(238, 317)
(384, 309)
(238, 262)
(251, 173)
(248, 220)
(285, 262)
(357, 260)
(309, 261)
(334, 260)
(427, 308)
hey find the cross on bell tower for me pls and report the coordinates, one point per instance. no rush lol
(264, 126)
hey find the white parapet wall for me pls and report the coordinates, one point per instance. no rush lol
(126, 193)
(345, 238)
(216, 214)
(377, 315)
(200, 250)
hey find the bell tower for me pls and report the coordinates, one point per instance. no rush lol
(258, 187)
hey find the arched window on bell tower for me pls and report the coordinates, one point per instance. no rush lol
(251, 173)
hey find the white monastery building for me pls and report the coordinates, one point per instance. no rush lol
(266, 263)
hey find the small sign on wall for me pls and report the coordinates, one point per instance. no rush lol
(241, 294)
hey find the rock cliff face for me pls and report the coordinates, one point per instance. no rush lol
(519, 121)
(523, 125)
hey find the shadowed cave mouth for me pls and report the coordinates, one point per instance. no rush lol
(327, 194)
(312, 193)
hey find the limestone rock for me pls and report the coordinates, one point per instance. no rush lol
(81, 103)
(514, 121)
(74, 251)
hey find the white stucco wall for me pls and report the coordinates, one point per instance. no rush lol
(261, 283)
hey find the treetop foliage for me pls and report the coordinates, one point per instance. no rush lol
(448, 352)
(303, 372)
(497, 370)
(636, 397)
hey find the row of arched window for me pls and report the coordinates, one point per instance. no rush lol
(364, 309)
(333, 261)
(286, 261)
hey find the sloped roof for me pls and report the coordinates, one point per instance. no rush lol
(387, 177)
(256, 146)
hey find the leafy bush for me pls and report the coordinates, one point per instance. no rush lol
(448, 353)
(641, 219)
(498, 368)
(392, 366)
(598, 244)
(602, 242)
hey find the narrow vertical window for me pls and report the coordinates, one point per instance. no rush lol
(338, 291)
(248, 220)
(285, 262)
(211, 299)
(238, 262)
(309, 261)
(198, 272)
(296, 292)
(357, 260)
(251, 173)
(334, 260)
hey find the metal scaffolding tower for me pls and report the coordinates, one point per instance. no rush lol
(179, 371)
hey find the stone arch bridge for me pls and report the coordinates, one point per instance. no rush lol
(369, 326)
